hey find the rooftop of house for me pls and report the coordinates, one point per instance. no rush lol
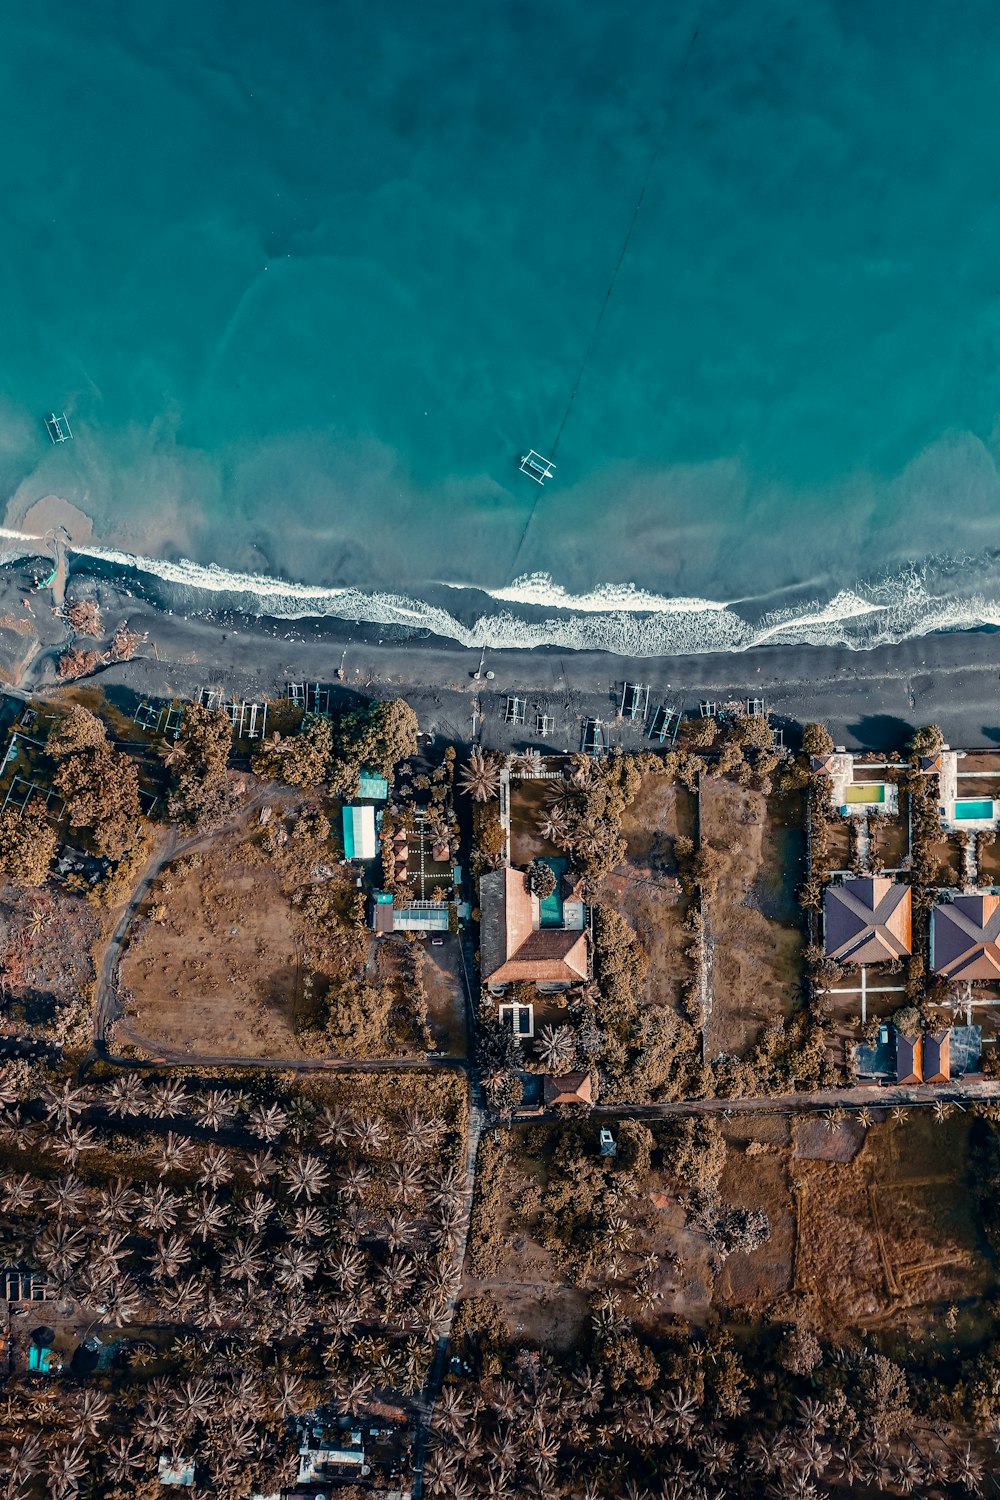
(965, 937)
(569, 1088)
(867, 921)
(937, 1057)
(512, 945)
(909, 1058)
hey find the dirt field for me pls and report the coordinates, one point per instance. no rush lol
(891, 836)
(753, 920)
(446, 996)
(948, 853)
(220, 971)
(528, 801)
(890, 1234)
(757, 1176)
(645, 886)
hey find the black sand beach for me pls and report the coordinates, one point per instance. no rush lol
(869, 699)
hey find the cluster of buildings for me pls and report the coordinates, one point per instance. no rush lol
(868, 919)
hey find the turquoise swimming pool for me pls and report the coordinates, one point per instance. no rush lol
(981, 807)
(550, 911)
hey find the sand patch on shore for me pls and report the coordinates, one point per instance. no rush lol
(46, 514)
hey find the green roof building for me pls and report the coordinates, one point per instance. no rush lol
(359, 832)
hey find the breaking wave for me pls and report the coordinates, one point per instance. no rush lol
(621, 619)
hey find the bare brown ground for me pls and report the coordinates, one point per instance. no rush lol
(891, 836)
(948, 853)
(839, 841)
(528, 801)
(892, 1232)
(220, 972)
(756, 1176)
(985, 761)
(756, 958)
(645, 886)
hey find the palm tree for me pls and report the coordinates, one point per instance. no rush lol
(181, 1299)
(73, 1141)
(452, 1411)
(215, 1167)
(556, 1046)
(399, 1230)
(66, 1467)
(267, 1121)
(123, 1302)
(419, 1132)
(307, 1224)
(813, 1415)
(118, 1202)
(170, 1256)
(63, 1104)
(405, 1180)
(60, 1249)
(23, 1462)
(155, 1427)
(175, 1153)
(346, 1266)
(355, 1177)
(206, 1216)
(295, 1266)
(446, 1185)
(158, 1208)
(968, 1471)
(590, 1389)
(19, 1193)
(87, 1412)
(398, 1276)
(336, 1126)
(899, 1114)
(261, 1166)
(243, 1262)
(125, 1095)
(214, 1110)
(109, 1253)
(554, 823)
(306, 1175)
(167, 1099)
(680, 1411)
(174, 754)
(480, 777)
(256, 1211)
(193, 1402)
(369, 1134)
(864, 1117)
(942, 1109)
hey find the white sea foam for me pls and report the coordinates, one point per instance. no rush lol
(622, 619)
(540, 589)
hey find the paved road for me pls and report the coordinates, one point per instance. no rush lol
(855, 1098)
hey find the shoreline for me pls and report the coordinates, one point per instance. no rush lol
(871, 698)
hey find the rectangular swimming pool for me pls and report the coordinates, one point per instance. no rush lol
(969, 807)
(866, 792)
(550, 911)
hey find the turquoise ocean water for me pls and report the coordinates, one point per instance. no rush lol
(307, 279)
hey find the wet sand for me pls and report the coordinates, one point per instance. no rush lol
(869, 699)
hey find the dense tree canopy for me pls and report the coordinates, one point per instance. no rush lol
(375, 738)
(301, 759)
(28, 843)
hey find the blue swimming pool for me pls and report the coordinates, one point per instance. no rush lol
(969, 807)
(550, 911)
